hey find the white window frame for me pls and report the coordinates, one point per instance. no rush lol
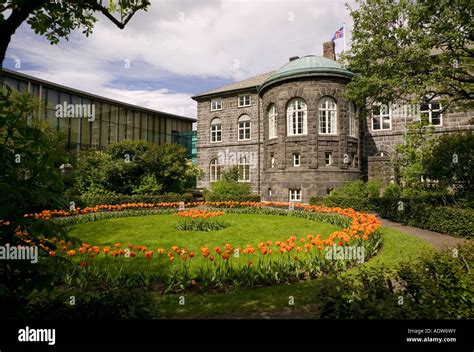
(245, 103)
(216, 130)
(351, 112)
(218, 101)
(326, 154)
(430, 112)
(327, 113)
(296, 160)
(385, 112)
(245, 166)
(244, 125)
(272, 161)
(296, 113)
(269, 192)
(214, 170)
(295, 195)
(272, 122)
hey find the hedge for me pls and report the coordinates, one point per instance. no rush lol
(450, 220)
(91, 201)
(212, 197)
(360, 204)
(426, 212)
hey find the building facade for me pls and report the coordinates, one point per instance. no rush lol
(89, 121)
(293, 134)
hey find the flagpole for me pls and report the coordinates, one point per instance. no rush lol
(344, 34)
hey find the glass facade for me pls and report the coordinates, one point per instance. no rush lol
(88, 121)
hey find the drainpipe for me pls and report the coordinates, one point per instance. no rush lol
(258, 143)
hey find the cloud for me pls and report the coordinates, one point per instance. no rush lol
(183, 40)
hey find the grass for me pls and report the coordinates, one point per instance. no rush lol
(159, 231)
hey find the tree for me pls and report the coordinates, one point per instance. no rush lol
(56, 19)
(409, 157)
(30, 153)
(412, 51)
(451, 161)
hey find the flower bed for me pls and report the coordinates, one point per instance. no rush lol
(200, 220)
(179, 268)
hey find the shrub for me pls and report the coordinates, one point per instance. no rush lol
(88, 200)
(436, 287)
(190, 224)
(111, 304)
(450, 220)
(226, 190)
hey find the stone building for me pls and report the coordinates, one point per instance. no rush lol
(294, 135)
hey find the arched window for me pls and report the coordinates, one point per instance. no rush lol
(327, 116)
(352, 120)
(215, 170)
(297, 117)
(244, 128)
(272, 122)
(244, 170)
(216, 130)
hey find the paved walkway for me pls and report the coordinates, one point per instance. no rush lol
(438, 240)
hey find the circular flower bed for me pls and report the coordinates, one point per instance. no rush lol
(178, 268)
(200, 220)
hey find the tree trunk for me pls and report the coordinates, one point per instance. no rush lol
(11, 24)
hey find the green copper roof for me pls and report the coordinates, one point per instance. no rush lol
(308, 65)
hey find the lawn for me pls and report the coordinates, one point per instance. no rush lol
(159, 231)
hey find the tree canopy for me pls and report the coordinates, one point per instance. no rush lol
(56, 19)
(411, 51)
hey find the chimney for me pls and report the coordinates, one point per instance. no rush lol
(294, 58)
(329, 50)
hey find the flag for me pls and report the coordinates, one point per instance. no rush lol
(338, 34)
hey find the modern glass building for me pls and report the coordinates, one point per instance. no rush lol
(93, 122)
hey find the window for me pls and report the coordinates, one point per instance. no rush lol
(352, 120)
(295, 195)
(269, 191)
(244, 128)
(296, 160)
(297, 117)
(382, 118)
(272, 160)
(216, 104)
(216, 130)
(328, 158)
(215, 170)
(432, 112)
(244, 170)
(272, 122)
(244, 100)
(327, 116)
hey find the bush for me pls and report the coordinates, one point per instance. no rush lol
(450, 220)
(114, 199)
(112, 304)
(226, 190)
(356, 203)
(437, 287)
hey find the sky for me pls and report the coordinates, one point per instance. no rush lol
(180, 48)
